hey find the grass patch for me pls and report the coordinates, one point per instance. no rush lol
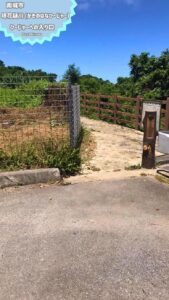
(87, 146)
(134, 167)
(42, 154)
(162, 179)
(47, 153)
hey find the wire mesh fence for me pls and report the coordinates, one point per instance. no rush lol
(36, 109)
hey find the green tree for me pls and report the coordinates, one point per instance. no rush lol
(149, 76)
(2, 63)
(72, 74)
(14, 76)
(94, 85)
(126, 86)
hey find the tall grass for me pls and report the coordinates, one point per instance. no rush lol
(42, 154)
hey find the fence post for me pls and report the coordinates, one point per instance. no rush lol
(137, 124)
(70, 103)
(149, 141)
(99, 106)
(74, 113)
(115, 110)
(167, 115)
(85, 104)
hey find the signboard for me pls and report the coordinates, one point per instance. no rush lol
(35, 21)
(152, 107)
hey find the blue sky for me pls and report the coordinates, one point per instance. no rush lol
(100, 40)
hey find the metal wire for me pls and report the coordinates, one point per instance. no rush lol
(32, 111)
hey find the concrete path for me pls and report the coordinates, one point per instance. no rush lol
(104, 240)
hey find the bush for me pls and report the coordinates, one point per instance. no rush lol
(42, 154)
(28, 95)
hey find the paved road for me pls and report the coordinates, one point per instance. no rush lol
(105, 241)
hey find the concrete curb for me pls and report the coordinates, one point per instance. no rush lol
(26, 177)
(162, 159)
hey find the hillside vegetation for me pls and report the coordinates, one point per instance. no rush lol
(149, 78)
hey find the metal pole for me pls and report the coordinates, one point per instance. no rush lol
(71, 115)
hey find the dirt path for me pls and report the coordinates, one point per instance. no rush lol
(117, 149)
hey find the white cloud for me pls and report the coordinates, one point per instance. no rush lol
(128, 2)
(27, 49)
(85, 4)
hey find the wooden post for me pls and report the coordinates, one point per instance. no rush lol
(45, 100)
(85, 104)
(148, 159)
(99, 106)
(115, 109)
(167, 115)
(137, 124)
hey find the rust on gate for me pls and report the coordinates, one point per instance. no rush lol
(149, 141)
